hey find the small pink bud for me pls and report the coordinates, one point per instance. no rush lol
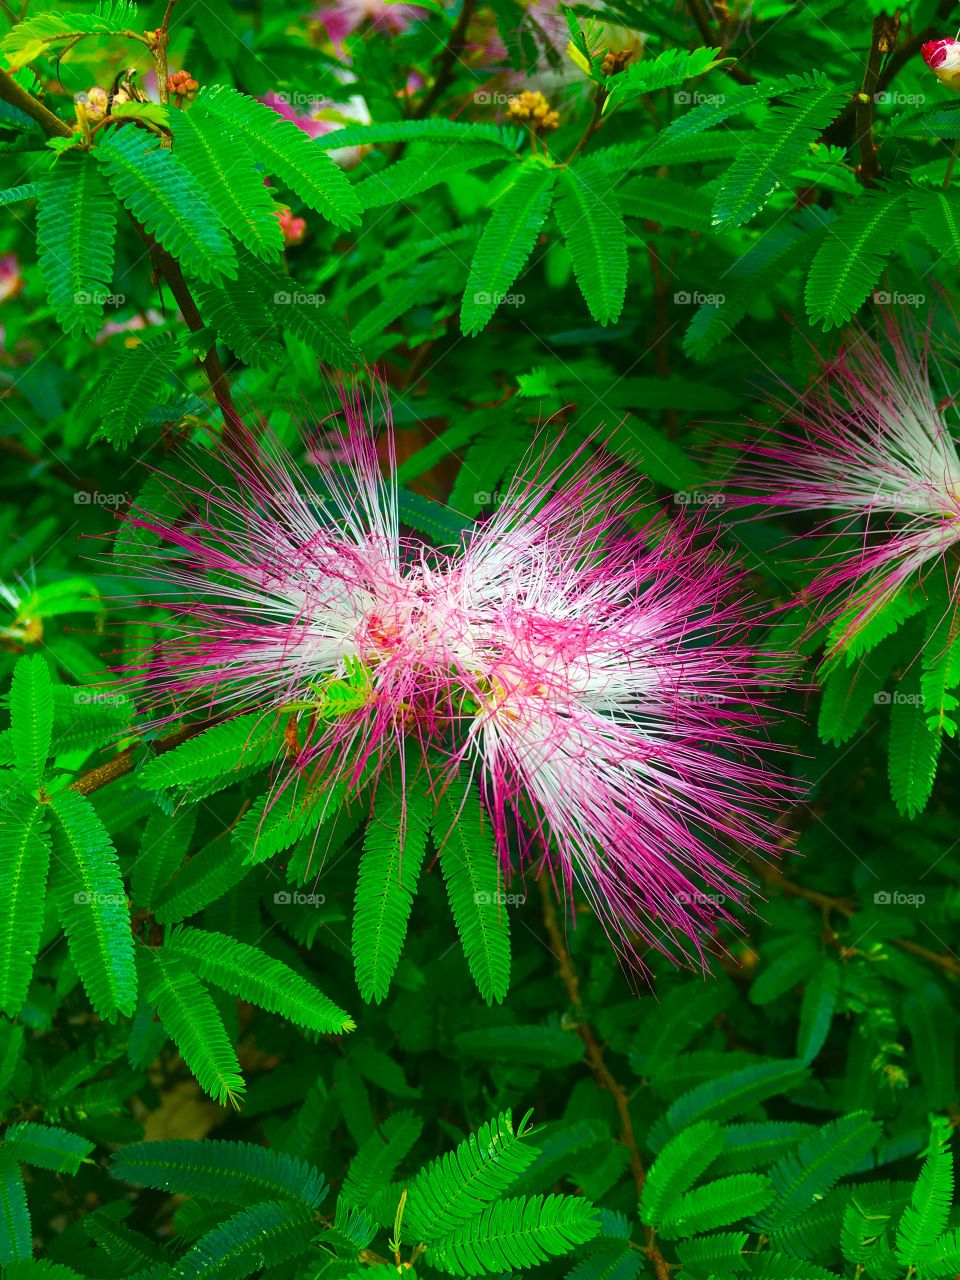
(294, 229)
(943, 59)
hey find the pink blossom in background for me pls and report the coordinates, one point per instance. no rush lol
(616, 704)
(870, 443)
(11, 281)
(324, 117)
(344, 17)
(596, 682)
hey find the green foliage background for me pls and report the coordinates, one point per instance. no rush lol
(218, 1058)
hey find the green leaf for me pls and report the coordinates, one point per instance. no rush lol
(854, 249)
(28, 39)
(76, 231)
(797, 121)
(736, 1093)
(459, 1185)
(913, 750)
(716, 1204)
(803, 1177)
(663, 200)
(92, 905)
(507, 241)
(31, 717)
(204, 878)
(163, 848)
(852, 690)
(46, 1146)
(422, 168)
(393, 851)
(936, 215)
(515, 1233)
(16, 1237)
(471, 869)
(167, 201)
(24, 863)
(258, 979)
(677, 1167)
(591, 224)
(931, 1021)
(13, 195)
(377, 1160)
(191, 1020)
(435, 130)
(224, 1172)
(670, 68)
(544, 1046)
(925, 1217)
(285, 151)
(262, 1235)
(132, 384)
(819, 1004)
(223, 165)
(254, 738)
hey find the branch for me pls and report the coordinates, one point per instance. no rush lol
(882, 39)
(164, 264)
(602, 1073)
(711, 38)
(444, 78)
(124, 761)
(18, 97)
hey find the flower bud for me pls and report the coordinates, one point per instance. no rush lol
(943, 59)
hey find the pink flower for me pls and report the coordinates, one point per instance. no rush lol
(11, 281)
(943, 59)
(343, 18)
(595, 681)
(612, 703)
(277, 588)
(869, 442)
(323, 117)
(293, 229)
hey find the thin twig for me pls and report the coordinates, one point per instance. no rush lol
(882, 39)
(602, 1073)
(446, 71)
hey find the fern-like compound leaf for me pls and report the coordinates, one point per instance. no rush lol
(770, 157)
(591, 223)
(92, 905)
(263, 1235)
(471, 870)
(258, 978)
(191, 1020)
(224, 1172)
(76, 234)
(168, 202)
(393, 851)
(31, 717)
(46, 1146)
(24, 863)
(515, 1233)
(926, 1216)
(223, 165)
(854, 250)
(914, 748)
(285, 151)
(803, 1177)
(459, 1185)
(29, 38)
(677, 1167)
(506, 243)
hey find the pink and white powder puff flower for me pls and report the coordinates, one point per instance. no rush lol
(346, 16)
(278, 586)
(943, 59)
(869, 442)
(323, 117)
(612, 706)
